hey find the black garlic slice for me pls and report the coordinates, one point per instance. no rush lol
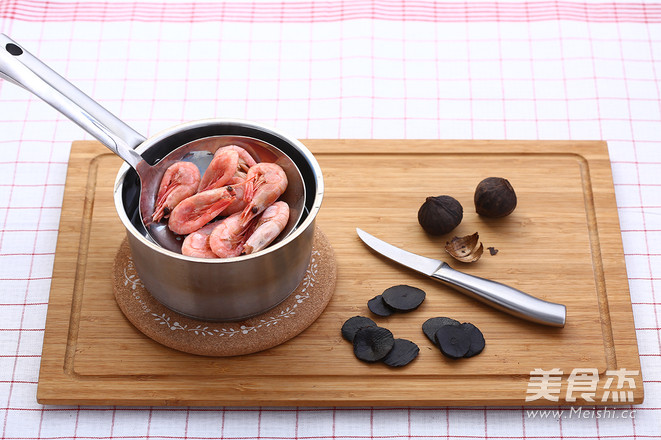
(379, 307)
(371, 344)
(353, 324)
(403, 352)
(403, 298)
(431, 326)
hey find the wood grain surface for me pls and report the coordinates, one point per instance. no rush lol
(561, 244)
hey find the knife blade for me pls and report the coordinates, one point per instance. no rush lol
(497, 295)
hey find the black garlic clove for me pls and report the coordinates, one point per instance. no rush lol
(440, 215)
(494, 197)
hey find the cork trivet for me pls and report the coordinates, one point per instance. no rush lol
(177, 331)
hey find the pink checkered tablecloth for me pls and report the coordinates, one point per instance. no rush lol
(329, 69)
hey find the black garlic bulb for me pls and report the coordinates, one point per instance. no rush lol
(440, 215)
(494, 197)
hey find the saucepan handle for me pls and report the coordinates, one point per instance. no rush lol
(23, 69)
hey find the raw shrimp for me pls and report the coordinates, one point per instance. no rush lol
(179, 182)
(196, 244)
(220, 170)
(227, 239)
(198, 210)
(268, 227)
(265, 182)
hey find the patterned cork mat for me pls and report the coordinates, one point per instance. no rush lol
(258, 333)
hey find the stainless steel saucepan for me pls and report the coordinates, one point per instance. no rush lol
(216, 289)
(24, 69)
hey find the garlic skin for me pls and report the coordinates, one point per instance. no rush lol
(467, 249)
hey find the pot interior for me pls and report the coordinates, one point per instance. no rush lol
(162, 146)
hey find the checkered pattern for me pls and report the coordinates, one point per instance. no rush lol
(351, 69)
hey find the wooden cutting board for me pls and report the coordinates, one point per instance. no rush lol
(561, 244)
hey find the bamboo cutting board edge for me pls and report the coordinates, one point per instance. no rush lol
(61, 385)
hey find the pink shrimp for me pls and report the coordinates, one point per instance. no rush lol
(196, 244)
(245, 159)
(227, 239)
(220, 170)
(179, 182)
(268, 227)
(265, 182)
(198, 210)
(239, 203)
(228, 161)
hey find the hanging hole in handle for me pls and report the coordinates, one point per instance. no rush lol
(14, 49)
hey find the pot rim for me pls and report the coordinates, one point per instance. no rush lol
(151, 141)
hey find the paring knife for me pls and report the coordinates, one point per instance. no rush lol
(497, 295)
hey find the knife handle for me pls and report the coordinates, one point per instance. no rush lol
(502, 297)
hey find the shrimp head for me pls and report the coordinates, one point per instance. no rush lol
(271, 223)
(227, 239)
(180, 181)
(265, 182)
(245, 159)
(220, 170)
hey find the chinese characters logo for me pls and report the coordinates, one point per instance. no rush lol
(583, 383)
